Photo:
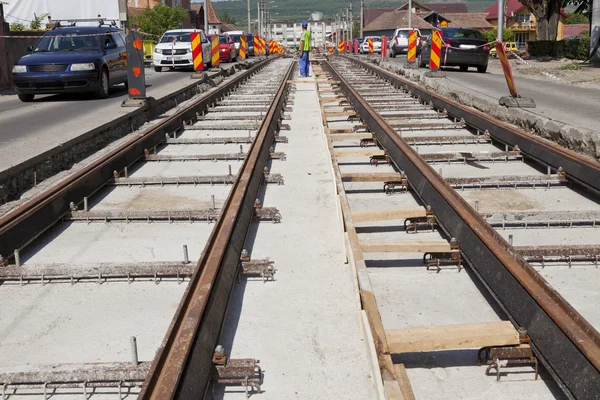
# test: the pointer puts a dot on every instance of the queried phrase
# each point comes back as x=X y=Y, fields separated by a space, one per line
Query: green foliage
x=36 y=24
x=574 y=49
x=507 y=35
x=576 y=18
x=571 y=67
x=159 y=19
x=227 y=19
x=17 y=27
x=356 y=30
x=584 y=34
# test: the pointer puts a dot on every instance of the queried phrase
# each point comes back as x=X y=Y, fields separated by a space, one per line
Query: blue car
x=75 y=59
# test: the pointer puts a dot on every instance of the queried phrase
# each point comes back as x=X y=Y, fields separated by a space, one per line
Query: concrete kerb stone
x=581 y=140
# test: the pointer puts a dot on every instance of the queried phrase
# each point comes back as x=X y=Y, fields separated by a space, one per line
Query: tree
x=356 y=29
x=227 y=19
x=159 y=19
x=547 y=14
x=36 y=23
x=575 y=18
x=507 y=35
x=17 y=27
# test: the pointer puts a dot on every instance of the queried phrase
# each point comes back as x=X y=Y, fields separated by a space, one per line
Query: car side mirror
x=30 y=48
x=111 y=46
x=156 y=42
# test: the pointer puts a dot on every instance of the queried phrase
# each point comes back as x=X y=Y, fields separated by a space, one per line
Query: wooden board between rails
x=371 y=177
x=389 y=214
x=360 y=153
x=405 y=246
x=350 y=136
x=450 y=337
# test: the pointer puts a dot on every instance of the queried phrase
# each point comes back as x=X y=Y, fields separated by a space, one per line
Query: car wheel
x=420 y=62
x=102 y=90
x=392 y=53
x=171 y=68
x=482 y=68
x=26 y=98
x=157 y=69
x=464 y=68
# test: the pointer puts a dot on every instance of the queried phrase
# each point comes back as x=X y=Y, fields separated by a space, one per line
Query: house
x=426 y=17
x=371 y=14
x=521 y=21
x=197 y=12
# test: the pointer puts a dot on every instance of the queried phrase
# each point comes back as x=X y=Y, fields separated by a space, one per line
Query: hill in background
x=295 y=10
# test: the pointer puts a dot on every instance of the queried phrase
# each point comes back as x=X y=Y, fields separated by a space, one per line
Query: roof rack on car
x=60 y=23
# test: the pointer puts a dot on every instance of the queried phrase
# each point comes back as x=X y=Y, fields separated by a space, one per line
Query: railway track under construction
x=470 y=247
x=521 y=213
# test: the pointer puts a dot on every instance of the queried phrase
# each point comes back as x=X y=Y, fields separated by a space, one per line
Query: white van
x=236 y=35
x=174 y=49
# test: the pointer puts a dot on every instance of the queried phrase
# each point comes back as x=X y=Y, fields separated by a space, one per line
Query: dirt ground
x=588 y=75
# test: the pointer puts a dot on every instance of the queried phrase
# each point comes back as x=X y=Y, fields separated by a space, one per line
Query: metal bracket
x=237 y=372
x=439 y=260
x=263 y=268
x=508 y=356
x=428 y=221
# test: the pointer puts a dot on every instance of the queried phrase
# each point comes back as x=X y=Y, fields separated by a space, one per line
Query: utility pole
x=595 y=31
x=409 y=14
x=500 y=18
x=351 y=23
x=205 y=17
x=249 y=18
x=362 y=12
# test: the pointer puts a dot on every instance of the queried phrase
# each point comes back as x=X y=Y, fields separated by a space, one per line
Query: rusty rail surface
x=26 y=222
x=566 y=343
x=182 y=368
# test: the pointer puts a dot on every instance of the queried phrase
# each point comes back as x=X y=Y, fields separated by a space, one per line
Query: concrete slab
x=304 y=326
x=555 y=236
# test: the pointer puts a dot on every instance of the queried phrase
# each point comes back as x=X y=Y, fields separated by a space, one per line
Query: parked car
x=510 y=47
x=74 y=59
x=250 y=44
x=399 y=42
x=174 y=49
x=364 y=47
x=227 y=50
x=235 y=36
x=462 y=48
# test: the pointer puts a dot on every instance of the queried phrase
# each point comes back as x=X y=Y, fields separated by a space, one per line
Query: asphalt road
x=570 y=104
x=28 y=129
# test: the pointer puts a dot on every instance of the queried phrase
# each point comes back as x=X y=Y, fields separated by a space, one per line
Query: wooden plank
x=404 y=382
x=370 y=177
x=350 y=136
x=333 y=114
x=389 y=213
x=344 y=130
x=360 y=153
x=450 y=337
x=405 y=246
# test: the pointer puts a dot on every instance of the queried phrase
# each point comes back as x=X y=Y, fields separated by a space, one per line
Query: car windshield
x=236 y=38
x=402 y=34
x=178 y=36
x=68 y=42
x=462 y=33
x=222 y=39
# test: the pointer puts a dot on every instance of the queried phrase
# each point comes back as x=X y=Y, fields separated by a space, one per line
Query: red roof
x=513 y=6
x=575 y=30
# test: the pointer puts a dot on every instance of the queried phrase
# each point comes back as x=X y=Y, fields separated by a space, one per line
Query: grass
x=571 y=67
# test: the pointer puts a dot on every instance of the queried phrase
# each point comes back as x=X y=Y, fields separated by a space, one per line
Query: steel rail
x=566 y=343
x=183 y=366
x=583 y=169
x=23 y=224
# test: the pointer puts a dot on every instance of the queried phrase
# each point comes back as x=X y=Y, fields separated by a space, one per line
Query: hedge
x=574 y=49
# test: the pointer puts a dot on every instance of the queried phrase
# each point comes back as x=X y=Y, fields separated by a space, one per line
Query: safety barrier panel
x=341 y=46
x=411 y=55
x=263 y=46
x=436 y=50
x=216 y=57
x=383 y=46
x=370 y=41
x=243 y=48
x=197 y=51
x=136 y=78
x=256 y=46
x=501 y=51
x=356 y=46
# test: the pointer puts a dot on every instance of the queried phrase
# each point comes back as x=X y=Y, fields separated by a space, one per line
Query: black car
x=72 y=59
x=462 y=48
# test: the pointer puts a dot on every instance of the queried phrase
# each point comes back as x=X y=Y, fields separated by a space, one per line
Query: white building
x=288 y=32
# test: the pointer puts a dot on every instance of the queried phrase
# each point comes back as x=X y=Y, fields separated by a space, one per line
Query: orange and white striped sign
x=370 y=41
x=411 y=55
x=243 y=47
x=436 y=50
x=197 y=51
x=501 y=51
x=216 y=57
